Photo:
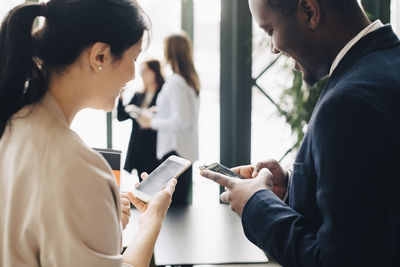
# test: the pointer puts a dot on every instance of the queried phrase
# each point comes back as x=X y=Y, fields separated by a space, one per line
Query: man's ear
x=99 y=56
x=311 y=11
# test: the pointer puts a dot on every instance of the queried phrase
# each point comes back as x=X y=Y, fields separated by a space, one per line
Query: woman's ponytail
x=21 y=80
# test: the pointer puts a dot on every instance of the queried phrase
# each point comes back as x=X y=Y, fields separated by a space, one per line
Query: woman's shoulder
x=176 y=79
x=74 y=163
x=64 y=148
x=56 y=153
x=176 y=82
x=88 y=160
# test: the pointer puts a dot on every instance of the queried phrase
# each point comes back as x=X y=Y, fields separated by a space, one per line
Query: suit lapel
x=374 y=41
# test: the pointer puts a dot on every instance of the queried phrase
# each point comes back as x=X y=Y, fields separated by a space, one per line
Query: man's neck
x=344 y=32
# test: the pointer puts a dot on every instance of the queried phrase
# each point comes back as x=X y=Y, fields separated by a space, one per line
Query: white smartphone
x=133 y=110
x=171 y=168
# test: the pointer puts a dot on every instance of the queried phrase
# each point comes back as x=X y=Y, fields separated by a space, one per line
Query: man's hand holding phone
x=238 y=191
x=280 y=176
x=246 y=171
x=217 y=167
x=278 y=181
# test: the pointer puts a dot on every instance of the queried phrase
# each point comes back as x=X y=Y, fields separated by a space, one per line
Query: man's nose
x=274 y=50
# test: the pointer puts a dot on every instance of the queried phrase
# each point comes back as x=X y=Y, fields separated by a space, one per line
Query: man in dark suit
x=341 y=205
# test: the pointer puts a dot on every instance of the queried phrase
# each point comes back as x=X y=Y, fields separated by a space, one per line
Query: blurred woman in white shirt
x=176 y=119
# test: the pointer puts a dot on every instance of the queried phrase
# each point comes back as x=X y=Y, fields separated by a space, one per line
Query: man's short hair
x=288 y=7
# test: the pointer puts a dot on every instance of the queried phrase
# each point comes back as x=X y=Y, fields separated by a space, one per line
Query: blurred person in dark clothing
x=141 y=153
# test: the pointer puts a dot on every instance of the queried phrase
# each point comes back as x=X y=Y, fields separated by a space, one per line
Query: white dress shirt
x=370 y=28
x=176 y=120
x=59 y=203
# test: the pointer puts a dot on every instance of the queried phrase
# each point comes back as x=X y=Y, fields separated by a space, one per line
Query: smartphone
x=171 y=168
x=133 y=110
x=217 y=167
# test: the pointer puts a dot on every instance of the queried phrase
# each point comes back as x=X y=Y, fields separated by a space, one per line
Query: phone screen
x=160 y=177
x=217 y=167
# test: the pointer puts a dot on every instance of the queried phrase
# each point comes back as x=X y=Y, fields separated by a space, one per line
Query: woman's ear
x=311 y=11
x=99 y=56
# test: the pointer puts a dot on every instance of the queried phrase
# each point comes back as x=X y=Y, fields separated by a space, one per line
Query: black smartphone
x=217 y=167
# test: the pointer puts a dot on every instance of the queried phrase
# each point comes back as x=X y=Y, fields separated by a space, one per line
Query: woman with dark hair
x=60 y=205
x=141 y=153
x=176 y=120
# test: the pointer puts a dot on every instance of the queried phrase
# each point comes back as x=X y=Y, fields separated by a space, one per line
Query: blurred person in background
x=141 y=153
x=176 y=119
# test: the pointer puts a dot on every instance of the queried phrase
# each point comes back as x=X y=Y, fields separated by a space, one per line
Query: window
x=6 y=6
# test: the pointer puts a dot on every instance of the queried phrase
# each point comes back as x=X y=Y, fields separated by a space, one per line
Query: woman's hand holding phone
x=169 y=169
x=125 y=209
x=157 y=188
x=150 y=221
x=139 y=205
x=160 y=201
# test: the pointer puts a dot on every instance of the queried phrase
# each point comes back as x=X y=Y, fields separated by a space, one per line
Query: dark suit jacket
x=141 y=153
x=344 y=199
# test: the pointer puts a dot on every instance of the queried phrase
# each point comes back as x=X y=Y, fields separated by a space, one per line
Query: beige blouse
x=59 y=203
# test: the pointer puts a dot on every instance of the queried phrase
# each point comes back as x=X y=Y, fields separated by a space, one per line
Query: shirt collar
x=51 y=105
x=370 y=28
